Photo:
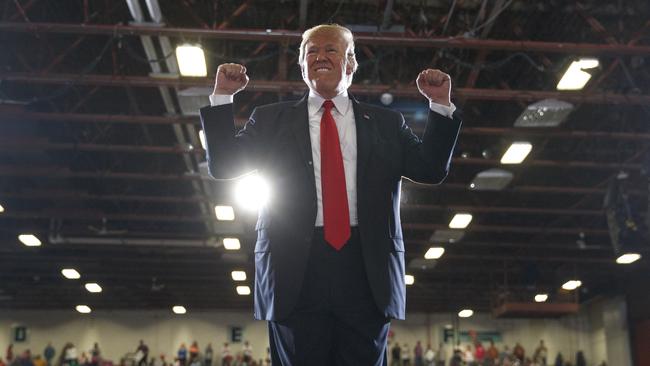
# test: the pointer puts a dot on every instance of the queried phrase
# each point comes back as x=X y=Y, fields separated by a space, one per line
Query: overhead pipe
x=270 y=35
x=299 y=86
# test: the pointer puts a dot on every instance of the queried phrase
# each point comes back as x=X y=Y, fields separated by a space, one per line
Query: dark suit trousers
x=336 y=320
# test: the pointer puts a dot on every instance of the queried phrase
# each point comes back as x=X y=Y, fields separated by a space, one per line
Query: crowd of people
x=184 y=356
x=476 y=354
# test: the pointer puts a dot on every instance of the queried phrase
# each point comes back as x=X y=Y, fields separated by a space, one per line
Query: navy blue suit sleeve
x=230 y=154
x=427 y=160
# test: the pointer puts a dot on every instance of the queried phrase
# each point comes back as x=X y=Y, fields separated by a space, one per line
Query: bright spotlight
x=179 y=309
x=575 y=78
x=191 y=60
x=243 y=290
x=29 y=240
x=84 y=309
x=572 y=285
x=409 y=279
x=238 y=275
x=434 y=253
x=541 y=297
x=465 y=313
x=628 y=258
x=252 y=192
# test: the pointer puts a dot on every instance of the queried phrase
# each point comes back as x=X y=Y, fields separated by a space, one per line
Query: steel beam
x=294 y=37
x=298 y=86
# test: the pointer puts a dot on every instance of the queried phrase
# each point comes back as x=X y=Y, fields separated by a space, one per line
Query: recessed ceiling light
x=516 y=153
x=231 y=243
x=434 y=253
x=93 y=287
x=70 y=273
x=572 y=285
x=243 y=290
x=460 y=221
x=575 y=78
x=29 y=240
x=84 y=309
x=2 y=209
x=224 y=213
x=465 y=313
x=191 y=60
x=178 y=309
x=541 y=297
x=409 y=279
x=238 y=275
x=628 y=258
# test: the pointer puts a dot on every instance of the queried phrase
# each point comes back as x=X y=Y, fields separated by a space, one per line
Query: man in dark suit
x=329 y=256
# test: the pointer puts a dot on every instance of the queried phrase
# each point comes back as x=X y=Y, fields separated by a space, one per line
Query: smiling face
x=327 y=66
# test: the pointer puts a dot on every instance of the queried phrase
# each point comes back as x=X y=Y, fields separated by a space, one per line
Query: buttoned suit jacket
x=276 y=142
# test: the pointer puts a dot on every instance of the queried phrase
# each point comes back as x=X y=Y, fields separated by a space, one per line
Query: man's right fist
x=230 y=79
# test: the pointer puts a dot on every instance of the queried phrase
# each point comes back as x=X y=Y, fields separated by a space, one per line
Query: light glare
x=243 y=290
x=29 y=240
x=628 y=258
x=465 y=313
x=191 y=60
x=572 y=285
x=541 y=297
x=252 y=192
x=70 y=273
x=93 y=287
x=238 y=275
x=179 y=309
x=516 y=153
x=231 y=243
x=574 y=78
x=84 y=309
x=460 y=221
x=224 y=213
x=434 y=253
x=2 y=209
x=409 y=279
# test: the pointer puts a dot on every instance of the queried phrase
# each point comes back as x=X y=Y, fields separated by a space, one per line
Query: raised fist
x=435 y=85
x=230 y=79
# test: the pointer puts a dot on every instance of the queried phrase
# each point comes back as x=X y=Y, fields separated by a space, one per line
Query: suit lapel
x=363 y=121
x=299 y=119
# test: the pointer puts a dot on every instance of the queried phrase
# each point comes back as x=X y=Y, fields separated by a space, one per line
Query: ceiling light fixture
x=516 y=153
x=460 y=221
x=575 y=78
x=191 y=60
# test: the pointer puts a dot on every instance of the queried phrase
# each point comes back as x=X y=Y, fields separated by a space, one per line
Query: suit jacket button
x=309 y=163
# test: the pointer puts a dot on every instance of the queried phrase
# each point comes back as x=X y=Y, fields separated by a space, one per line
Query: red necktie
x=336 y=215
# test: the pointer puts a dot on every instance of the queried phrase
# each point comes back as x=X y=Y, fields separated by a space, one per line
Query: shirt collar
x=341 y=102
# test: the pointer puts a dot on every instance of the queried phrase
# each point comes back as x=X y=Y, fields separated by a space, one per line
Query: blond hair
x=344 y=32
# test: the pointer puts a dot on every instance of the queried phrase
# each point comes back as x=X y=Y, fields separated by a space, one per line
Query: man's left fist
x=435 y=85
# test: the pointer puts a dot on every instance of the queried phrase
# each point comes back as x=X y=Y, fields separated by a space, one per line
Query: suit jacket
x=276 y=143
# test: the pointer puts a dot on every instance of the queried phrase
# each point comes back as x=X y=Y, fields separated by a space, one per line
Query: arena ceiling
x=100 y=155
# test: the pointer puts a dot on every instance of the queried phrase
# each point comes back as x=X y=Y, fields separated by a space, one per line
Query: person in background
x=143 y=349
x=2 y=363
x=479 y=352
x=194 y=352
x=207 y=356
x=406 y=355
x=468 y=356
x=519 y=352
x=95 y=355
x=492 y=355
x=559 y=360
x=417 y=354
x=71 y=355
x=441 y=355
x=39 y=361
x=247 y=353
x=182 y=354
x=503 y=355
x=396 y=355
x=10 y=353
x=456 y=358
x=226 y=356
x=540 y=353
x=580 y=359
x=49 y=353
x=429 y=356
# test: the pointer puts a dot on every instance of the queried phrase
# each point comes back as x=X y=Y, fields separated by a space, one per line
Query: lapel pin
x=366 y=116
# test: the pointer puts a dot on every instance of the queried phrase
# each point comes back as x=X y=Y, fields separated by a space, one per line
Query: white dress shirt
x=343 y=114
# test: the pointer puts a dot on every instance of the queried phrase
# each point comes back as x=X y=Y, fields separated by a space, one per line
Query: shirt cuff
x=442 y=109
x=220 y=99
